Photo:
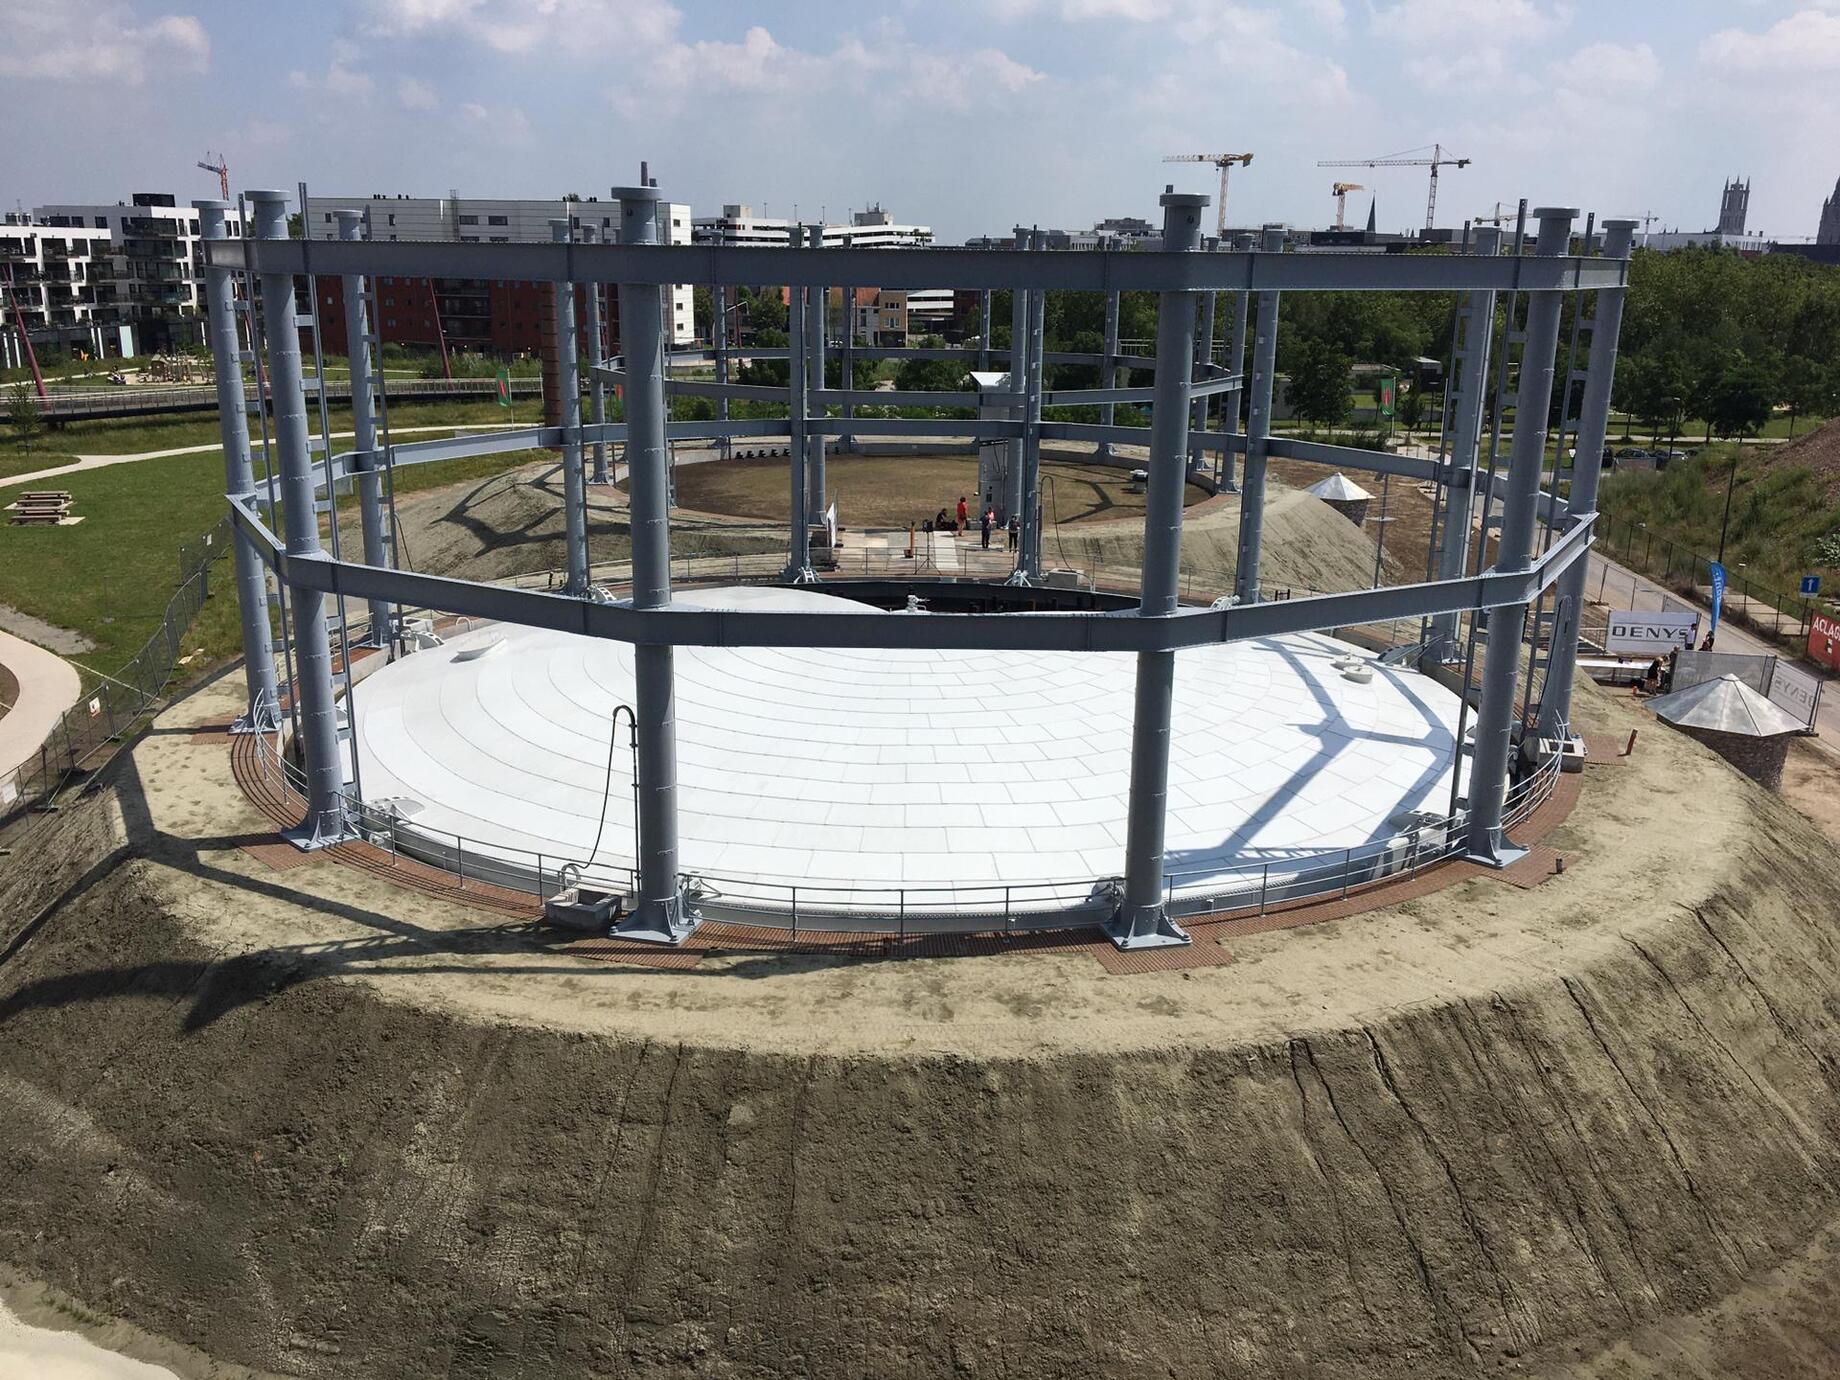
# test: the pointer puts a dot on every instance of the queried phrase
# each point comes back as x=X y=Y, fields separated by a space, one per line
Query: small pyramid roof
x=1338 y=488
x=986 y=381
x=1725 y=705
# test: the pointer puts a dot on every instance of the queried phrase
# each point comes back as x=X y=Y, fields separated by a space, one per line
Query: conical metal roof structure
x=1725 y=705
x=1338 y=488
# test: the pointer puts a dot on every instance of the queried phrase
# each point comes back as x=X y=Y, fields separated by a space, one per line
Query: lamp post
x=1731 y=483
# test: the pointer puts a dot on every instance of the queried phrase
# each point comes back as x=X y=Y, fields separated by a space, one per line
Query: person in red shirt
x=963 y=513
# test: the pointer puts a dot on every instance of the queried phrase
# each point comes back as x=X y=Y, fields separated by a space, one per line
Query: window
x=102 y=222
x=390 y=302
x=498 y=220
x=392 y=215
x=469 y=220
x=328 y=217
x=501 y=239
x=469 y=239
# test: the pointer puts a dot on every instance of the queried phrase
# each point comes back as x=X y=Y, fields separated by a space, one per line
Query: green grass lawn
x=131 y=435
x=110 y=576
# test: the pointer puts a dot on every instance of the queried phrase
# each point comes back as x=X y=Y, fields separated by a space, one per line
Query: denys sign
x=1651 y=634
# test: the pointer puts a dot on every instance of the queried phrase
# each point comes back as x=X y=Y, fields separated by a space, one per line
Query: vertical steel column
x=597 y=390
x=658 y=913
x=1587 y=470
x=798 y=556
x=364 y=428
x=1204 y=361
x=1029 y=556
x=1235 y=364
x=1143 y=920
x=1108 y=370
x=1258 y=431
x=568 y=384
x=260 y=711
x=319 y=726
x=1018 y=410
x=816 y=303
x=1470 y=356
x=847 y=365
x=718 y=296
x=984 y=331
x=1495 y=712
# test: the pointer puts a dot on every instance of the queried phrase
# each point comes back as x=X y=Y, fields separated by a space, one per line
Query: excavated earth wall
x=308 y=1124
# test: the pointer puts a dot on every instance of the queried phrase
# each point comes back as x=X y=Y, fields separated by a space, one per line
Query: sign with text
x=1651 y=634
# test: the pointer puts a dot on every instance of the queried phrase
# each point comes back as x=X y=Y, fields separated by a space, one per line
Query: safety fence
x=1255 y=884
x=120 y=701
x=1771 y=612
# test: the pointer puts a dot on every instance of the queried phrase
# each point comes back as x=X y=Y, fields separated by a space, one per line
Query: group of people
x=943 y=521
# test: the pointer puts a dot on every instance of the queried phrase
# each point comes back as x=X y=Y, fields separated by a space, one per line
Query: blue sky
x=970 y=115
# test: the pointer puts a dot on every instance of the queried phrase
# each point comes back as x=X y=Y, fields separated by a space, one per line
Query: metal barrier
x=821 y=908
x=114 y=707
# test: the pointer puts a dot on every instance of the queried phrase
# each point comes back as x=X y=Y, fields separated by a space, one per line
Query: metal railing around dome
x=905 y=909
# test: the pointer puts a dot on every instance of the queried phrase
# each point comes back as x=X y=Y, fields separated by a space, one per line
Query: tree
x=1738 y=404
x=1410 y=407
x=1319 y=384
x=1807 y=388
x=929 y=375
x=23 y=415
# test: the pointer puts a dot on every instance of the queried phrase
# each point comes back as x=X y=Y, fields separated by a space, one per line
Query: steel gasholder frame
x=1154 y=631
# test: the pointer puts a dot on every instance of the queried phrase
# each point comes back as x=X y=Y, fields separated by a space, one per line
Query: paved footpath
x=102 y=462
x=48 y=685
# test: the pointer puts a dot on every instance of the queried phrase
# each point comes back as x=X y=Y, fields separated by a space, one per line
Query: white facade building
x=156 y=263
x=62 y=279
x=485 y=220
x=870 y=229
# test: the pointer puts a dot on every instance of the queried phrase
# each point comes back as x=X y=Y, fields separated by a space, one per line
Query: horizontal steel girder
x=1086 y=271
x=1124 y=631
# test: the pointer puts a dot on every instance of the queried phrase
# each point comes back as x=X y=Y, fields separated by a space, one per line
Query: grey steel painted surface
x=1108 y=369
x=1204 y=372
x=1258 y=433
x=846 y=373
x=815 y=304
x=1236 y=363
x=1495 y=710
x=719 y=301
x=1078 y=632
x=1470 y=389
x=1587 y=470
x=260 y=701
x=597 y=387
x=1018 y=387
x=658 y=912
x=1029 y=552
x=365 y=463
x=319 y=730
x=1091 y=271
x=983 y=332
x=1142 y=918
x=568 y=380
x=798 y=538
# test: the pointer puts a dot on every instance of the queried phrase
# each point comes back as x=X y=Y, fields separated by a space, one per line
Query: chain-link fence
x=111 y=710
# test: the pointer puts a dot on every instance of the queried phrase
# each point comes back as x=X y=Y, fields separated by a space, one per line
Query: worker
x=964 y=513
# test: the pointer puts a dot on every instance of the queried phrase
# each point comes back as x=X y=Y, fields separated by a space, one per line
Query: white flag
x=830 y=521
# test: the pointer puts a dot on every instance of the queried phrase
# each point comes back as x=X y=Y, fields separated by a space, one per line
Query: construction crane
x=1223 y=161
x=1340 y=192
x=1500 y=216
x=1646 y=219
x=222 y=169
x=1438 y=159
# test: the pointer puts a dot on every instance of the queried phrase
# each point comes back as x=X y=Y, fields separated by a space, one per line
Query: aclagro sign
x=1651 y=633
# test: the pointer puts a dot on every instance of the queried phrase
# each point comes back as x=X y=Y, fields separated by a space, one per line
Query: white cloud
x=1329 y=15
x=67 y=42
x=1610 y=70
x=1249 y=43
x=1806 y=41
x=1417 y=22
x=1137 y=11
x=414 y=94
x=341 y=77
x=528 y=26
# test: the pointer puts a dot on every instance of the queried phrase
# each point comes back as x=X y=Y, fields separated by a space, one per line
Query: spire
x=1370 y=212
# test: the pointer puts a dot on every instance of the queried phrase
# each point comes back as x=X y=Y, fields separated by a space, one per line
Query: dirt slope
x=1490 y=1133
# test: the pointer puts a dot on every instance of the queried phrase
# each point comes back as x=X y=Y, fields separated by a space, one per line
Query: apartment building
x=156 y=265
x=496 y=315
x=873 y=228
